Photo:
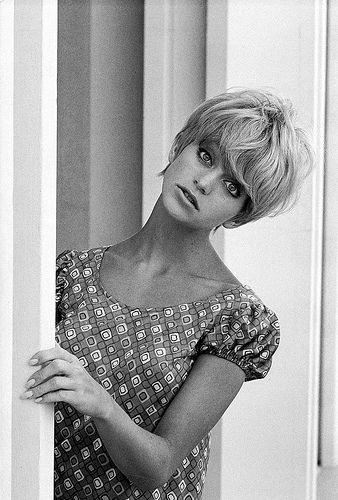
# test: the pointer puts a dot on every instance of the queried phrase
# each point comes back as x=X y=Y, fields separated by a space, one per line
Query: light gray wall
x=100 y=95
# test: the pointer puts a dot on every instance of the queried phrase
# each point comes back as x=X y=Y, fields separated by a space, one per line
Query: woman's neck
x=165 y=244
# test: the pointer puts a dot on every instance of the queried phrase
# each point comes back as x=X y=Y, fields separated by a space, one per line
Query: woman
x=155 y=334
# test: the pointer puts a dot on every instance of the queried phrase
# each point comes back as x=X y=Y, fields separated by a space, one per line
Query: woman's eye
x=205 y=156
x=233 y=189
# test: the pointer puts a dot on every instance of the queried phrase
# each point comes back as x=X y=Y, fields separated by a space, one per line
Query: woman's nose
x=204 y=184
x=199 y=186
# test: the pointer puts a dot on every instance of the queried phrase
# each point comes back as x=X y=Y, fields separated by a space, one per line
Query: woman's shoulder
x=237 y=301
x=75 y=255
x=72 y=262
x=233 y=291
x=242 y=297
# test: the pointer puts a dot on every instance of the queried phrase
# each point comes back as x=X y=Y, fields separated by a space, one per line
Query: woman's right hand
x=63 y=378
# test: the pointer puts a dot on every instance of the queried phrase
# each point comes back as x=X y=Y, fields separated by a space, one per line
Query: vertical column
x=216 y=83
x=278 y=46
x=174 y=81
x=328 y=479
x=100 y=94
x=6 y=239
x=28 y=145
x=116 y=77
x=73 y=120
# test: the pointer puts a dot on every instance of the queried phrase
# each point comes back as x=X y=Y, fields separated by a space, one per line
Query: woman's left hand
x=63 y=378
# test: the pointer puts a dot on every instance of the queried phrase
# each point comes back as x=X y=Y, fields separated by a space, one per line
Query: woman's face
x=198 y=191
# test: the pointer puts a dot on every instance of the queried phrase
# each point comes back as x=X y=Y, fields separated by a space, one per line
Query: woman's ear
x=161 y=174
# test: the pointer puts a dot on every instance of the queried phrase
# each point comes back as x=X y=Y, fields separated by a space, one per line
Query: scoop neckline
x=122 y=304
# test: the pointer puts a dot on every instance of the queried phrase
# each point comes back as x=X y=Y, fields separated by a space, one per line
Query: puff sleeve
x=247 y=335
x=63 y=262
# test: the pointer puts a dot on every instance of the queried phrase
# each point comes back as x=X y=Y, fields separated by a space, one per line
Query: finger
x=47 y=355
x=53 y=368
x=52 y=385
x=56 y=397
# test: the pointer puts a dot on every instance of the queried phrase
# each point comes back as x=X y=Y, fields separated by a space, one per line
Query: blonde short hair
x=265 y=152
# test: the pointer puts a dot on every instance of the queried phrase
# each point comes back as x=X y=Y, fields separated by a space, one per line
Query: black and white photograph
x=169 y=250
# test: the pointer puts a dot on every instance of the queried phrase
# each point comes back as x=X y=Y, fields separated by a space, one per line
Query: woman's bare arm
x=149 y=459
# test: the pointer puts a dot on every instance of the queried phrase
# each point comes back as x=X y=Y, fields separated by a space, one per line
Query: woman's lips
x=188 y=194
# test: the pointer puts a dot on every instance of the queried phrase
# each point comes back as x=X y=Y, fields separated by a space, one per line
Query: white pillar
x=270 y=432
x=28 y=168
x=6 y=238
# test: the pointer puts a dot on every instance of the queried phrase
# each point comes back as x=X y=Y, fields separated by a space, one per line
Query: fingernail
x=27 y=394
x=33 y=361
x=37 y=400
x=30 y=382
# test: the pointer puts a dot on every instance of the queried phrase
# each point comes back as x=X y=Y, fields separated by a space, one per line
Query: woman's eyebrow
x=211 y=147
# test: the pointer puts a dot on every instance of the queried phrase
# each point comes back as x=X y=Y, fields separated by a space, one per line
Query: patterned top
x=142 y=356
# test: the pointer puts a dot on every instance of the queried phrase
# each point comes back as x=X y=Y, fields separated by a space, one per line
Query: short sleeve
x=63 y=262
x=248 y=335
